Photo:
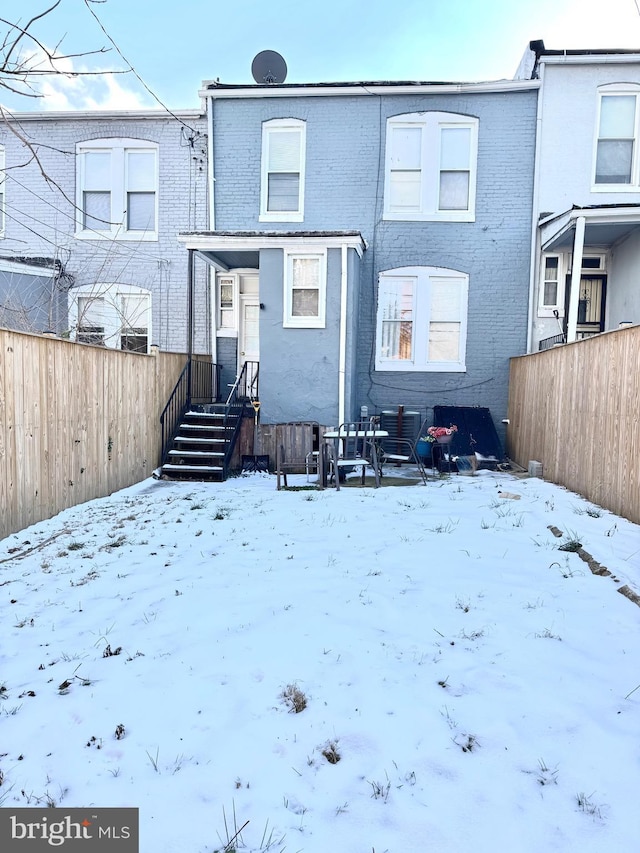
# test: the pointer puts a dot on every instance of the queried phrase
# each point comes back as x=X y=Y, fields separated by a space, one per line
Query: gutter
x=359 y=89
x=101 y=115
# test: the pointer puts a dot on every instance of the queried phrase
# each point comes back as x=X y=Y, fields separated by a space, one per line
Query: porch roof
x=605 y=225
x=228 y=249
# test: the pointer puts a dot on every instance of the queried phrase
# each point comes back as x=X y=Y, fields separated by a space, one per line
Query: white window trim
x=431 y=124
x=421 y=319
x=587 y=255
x=608 y=90
x=288 y=320
x=108 y=291
x=230 y=331
x=550 y=310
x=3 y=188
x=274 y=126
x=117 y=230
x=422 y=311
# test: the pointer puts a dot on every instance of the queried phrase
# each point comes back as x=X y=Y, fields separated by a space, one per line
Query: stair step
x=196 y=454
x=191 y=439
x=214 y=469
x=205 y=427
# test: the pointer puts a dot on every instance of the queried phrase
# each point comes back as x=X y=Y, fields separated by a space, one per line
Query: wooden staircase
x=202 y=446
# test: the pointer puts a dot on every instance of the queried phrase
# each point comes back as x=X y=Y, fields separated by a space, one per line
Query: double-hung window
x=617 y=164
x=227 y=289
x=117 y=189
x=422 y=319
x=430 y=171
x=551 y=299
x=117 y=316
x=2 y=189
x=305 y=284
x=282 y=173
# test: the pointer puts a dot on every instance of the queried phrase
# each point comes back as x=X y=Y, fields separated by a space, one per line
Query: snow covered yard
x=406 y=669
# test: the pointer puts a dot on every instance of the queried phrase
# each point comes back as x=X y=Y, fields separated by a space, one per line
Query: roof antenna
x=269 y=67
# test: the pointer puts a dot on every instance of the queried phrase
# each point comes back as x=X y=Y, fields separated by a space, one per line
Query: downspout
x=576 y=275
x=533 y=271
x=342 y=362
x=211 y=226
x=210 y=169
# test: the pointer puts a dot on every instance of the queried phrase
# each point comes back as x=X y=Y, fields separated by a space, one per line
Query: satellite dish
x=269 y=67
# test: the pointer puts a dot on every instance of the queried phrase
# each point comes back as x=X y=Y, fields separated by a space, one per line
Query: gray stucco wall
x=344 y=190
x=31 y=303
x=298 y=367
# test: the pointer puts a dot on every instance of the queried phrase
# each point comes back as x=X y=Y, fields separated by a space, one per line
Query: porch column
x=190 y=278
x=576 y=275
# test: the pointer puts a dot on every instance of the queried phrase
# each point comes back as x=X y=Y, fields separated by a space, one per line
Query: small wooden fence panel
x=76 y=423
x=576 y=409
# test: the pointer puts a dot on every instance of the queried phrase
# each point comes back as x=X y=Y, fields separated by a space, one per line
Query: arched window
x=422 y=319
x=117 y=316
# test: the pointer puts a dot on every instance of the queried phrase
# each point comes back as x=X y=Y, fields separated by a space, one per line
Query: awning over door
x=228 y=249
x=604 y=226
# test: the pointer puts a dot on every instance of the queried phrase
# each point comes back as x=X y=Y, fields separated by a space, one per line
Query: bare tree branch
x=13 y=127
x=25 y=58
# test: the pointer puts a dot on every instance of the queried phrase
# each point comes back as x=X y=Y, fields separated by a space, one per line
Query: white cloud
x=78 y=87
x=93 y=92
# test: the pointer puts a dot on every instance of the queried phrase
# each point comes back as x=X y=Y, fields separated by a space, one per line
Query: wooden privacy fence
x=76 y=423
x=576 y=409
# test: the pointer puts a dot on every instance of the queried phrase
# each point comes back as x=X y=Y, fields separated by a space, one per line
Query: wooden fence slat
x=576 y=409
x=60 y=403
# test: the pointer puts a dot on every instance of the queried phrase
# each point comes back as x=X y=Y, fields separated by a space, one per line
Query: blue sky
x=174 y=46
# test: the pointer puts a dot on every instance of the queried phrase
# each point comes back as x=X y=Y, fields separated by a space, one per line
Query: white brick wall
x=40 y=218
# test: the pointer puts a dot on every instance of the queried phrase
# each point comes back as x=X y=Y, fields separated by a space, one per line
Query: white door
x=249 y=337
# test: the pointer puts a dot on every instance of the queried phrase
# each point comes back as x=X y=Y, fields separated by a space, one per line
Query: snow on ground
x=476 y=682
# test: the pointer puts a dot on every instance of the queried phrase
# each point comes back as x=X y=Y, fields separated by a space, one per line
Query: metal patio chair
x=405 y=451
x=354 y=445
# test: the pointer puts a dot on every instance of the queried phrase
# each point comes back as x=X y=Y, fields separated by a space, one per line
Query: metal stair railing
x=199 y=381
x=549 y=343
x=244 y=388
x=173 y=412
x=246 y=384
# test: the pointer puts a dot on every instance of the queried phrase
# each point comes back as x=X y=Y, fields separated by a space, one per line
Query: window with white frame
x=227 y=288
x=616 y=156
x=117 y=194
x=551 y=289
x=305 y=285
x=430 y=167
x=2 y=189
x=282 y=172
x=422 y=319
x=114 y=316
